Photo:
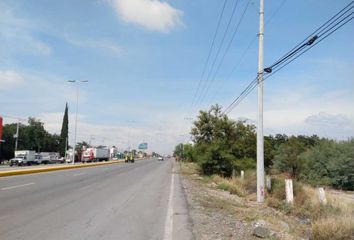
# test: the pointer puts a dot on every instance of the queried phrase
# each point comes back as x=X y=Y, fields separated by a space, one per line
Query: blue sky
x=144 y=58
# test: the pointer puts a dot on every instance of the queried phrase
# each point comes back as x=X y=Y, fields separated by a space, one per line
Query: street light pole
x=77 y=109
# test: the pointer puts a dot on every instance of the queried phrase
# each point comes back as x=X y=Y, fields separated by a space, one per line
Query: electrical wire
x=210 y=51
x=225 y=52
x=218 y=50
x=253 y=40
x=332 y=25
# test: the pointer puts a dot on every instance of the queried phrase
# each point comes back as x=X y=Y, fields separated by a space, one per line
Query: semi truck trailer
x=95 y=154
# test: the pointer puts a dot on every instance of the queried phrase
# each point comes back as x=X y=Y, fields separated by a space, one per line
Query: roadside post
x=322 y=195
x=289 y=191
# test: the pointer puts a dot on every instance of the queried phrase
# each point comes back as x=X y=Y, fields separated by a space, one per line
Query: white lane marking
x=78 y=174
x=17 y=186
x=169 y=217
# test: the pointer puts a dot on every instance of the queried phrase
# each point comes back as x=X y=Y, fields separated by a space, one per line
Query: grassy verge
x=331 y=221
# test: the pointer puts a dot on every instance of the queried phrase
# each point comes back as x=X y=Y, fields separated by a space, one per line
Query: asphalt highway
x=141 y=200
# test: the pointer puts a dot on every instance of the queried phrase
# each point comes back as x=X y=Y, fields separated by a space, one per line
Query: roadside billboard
x=143 y=146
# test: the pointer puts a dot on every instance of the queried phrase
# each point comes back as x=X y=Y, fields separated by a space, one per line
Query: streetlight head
x=84 y=81
x=72 y=81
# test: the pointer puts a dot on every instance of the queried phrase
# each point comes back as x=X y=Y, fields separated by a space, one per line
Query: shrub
x=224 y=186
x=216 y=159
x=330 y=163
x=238 y=187
x=250 y=181
x=278 y=188
x=334 y=228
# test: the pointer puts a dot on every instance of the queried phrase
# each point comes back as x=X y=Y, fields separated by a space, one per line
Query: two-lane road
x=143 y=200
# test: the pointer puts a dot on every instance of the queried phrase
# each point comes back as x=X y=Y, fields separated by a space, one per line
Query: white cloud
x=151 y=14
x=9 y=79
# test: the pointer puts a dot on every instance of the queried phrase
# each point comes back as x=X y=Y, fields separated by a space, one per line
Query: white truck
x=23 y=157
x=69 y=155
x=95 y=154
x=48 y=157
x=113 y=151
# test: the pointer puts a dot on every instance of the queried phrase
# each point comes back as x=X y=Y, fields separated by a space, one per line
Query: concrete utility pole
x=66 y=148
x=260 y=139
x=17 y=132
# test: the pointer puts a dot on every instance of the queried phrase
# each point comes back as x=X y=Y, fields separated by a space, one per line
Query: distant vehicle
x=95 y=154
x=24 y=157
x=160 y=158
x=113 y=151
x=48 y=157
x=69 y=156
x=129 y=157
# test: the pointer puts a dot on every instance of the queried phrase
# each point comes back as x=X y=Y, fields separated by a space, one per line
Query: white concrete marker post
x=242 y=175
x=269 y=183
x=322 y=195
x=289 y=191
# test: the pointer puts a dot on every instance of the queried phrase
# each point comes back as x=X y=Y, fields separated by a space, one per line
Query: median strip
x=49 y=169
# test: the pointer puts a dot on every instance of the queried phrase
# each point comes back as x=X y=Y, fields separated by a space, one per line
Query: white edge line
x=17 y=186
x=169 y=216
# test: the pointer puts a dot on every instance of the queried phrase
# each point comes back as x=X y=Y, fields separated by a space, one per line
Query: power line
x=327 y=29
x=314 y=33
x=226 y=51
x=327 y=35
x=248 y=48
x=218 y=50
x=210 y=51
x=312 y=39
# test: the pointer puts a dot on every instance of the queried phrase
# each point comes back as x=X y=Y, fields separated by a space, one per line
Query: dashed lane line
x=17 y=186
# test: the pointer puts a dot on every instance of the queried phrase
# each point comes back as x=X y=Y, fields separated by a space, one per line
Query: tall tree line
x=222 y=145
x=33 y=136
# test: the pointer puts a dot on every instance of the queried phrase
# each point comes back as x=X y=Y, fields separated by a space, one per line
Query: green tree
x=32 y=136
x=221 y=144
x=184 y=152
x=81 y=145
x=64 y=133
x=330 y=163
x=287 y=157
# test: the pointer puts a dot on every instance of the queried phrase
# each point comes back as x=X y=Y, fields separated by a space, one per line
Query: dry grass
x=235 y=186
x=334 y=228
x=331 y=221
x=188 y=168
